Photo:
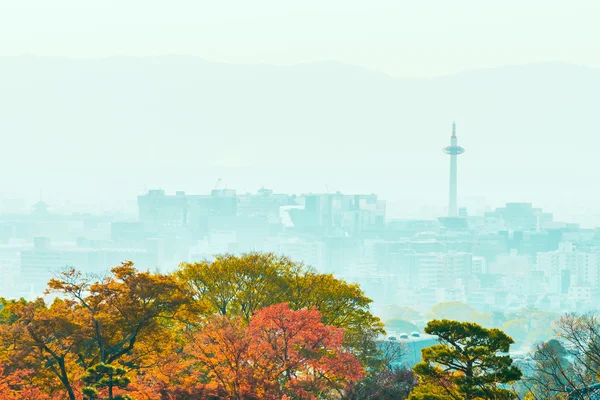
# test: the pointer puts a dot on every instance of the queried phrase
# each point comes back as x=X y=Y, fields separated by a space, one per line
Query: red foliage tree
x=281 y=354
x=15 y=386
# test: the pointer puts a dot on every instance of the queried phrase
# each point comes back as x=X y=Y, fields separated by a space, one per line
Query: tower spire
x=454 y=150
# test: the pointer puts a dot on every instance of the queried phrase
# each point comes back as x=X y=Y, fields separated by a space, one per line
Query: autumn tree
x=47 y=340
x=241 y=285
x=176 y=376
x=581 y=333
x=343 y=305
x=127 y=333
x=16 y=385
x=231 y=285
x=281 y=353
x=121 y=308
x=570 y=362
x=221 y=353
x=300 y=352
x=552 y=372
x=128 y=320
x=470 y=361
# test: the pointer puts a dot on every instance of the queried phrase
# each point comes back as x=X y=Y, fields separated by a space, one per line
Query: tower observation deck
x=454 y=150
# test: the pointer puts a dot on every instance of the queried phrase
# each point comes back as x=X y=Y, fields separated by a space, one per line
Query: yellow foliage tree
x=241 y=285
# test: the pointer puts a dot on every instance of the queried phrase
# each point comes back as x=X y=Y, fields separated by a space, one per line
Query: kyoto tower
x=454 y=150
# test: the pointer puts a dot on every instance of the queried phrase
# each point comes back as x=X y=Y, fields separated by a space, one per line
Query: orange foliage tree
x=16 y=386
x=129 y=321
x=45 y=341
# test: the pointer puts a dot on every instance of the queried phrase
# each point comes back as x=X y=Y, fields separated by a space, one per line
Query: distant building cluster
x=505 y=259
x=502 y=260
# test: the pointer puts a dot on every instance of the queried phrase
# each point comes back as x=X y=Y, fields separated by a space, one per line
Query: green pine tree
x=470 y=362
x=105 y=376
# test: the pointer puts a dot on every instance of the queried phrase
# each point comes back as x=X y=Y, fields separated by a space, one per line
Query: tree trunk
x=65 y=380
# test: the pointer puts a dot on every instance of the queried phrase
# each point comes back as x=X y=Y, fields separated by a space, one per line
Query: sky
x=402 y=38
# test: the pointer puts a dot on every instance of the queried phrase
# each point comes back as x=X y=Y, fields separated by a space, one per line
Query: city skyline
x=349 y=235
x=159 y=128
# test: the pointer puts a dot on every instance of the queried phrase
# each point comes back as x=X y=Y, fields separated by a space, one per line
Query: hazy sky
x=404 y=38
x=425 y=38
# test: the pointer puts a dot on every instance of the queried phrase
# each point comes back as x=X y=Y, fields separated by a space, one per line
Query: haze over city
x=145 y=100
x=400 y=184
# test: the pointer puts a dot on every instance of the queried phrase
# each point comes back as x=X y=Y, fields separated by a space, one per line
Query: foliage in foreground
x=240 y=286
x=568 y=366
x=470 y=362
x=280 y=354
x=259 y=326
x=146 y=335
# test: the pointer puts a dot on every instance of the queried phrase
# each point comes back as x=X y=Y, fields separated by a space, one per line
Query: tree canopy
x=255 y=324
x=281 y=353
x=240 y=285
x=470 y=362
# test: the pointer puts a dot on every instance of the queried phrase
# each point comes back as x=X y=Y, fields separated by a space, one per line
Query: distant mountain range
x=531 y=132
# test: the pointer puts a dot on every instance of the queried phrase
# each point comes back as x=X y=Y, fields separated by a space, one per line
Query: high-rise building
x=158 y=210
x=520 y=217
x=337 y=213
x=583 y=267
x=439 y=270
